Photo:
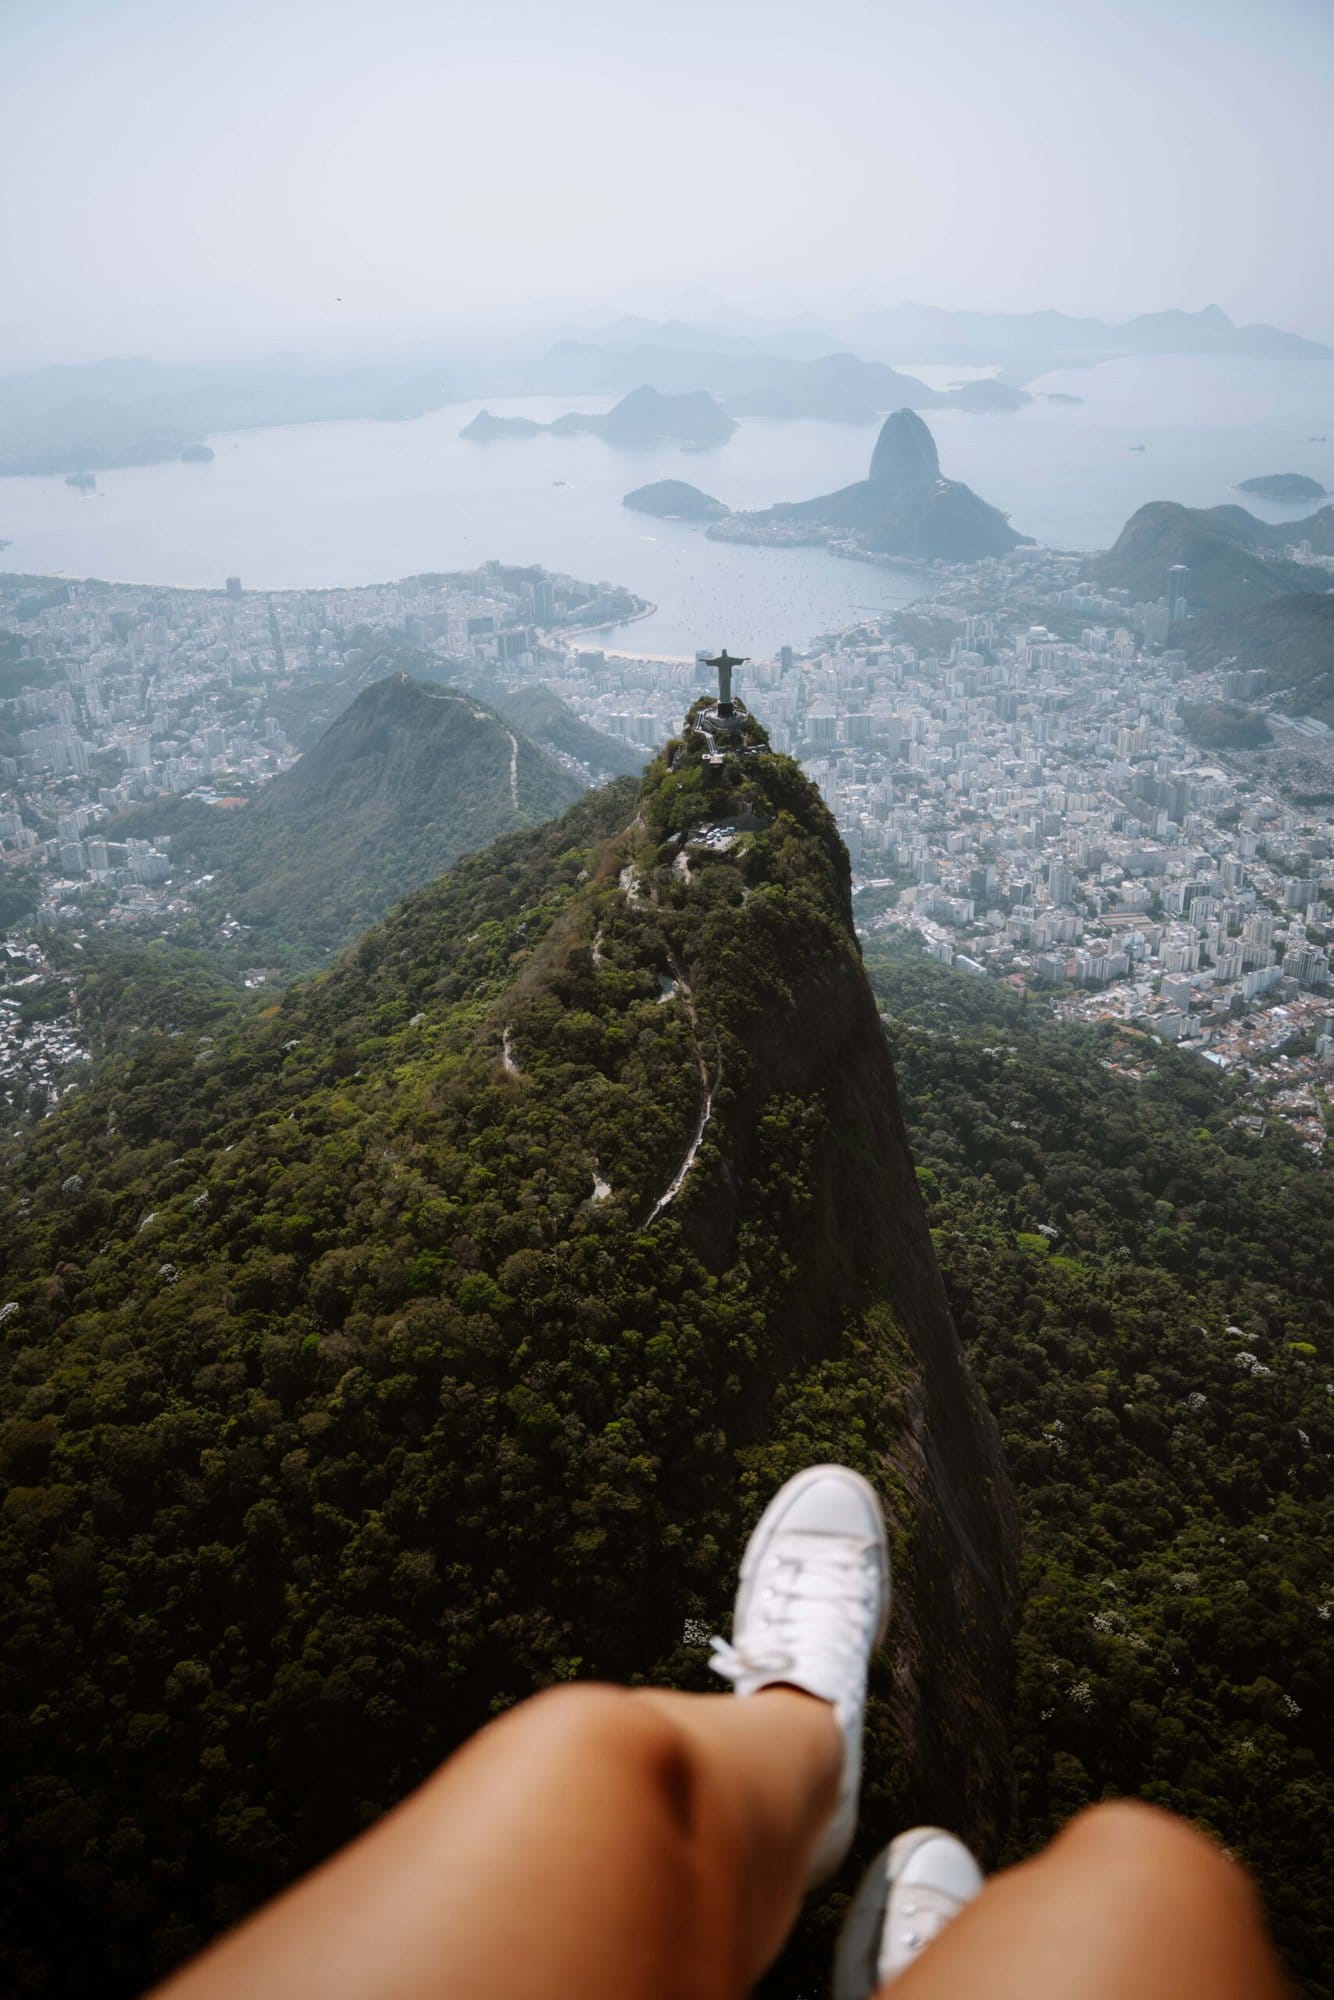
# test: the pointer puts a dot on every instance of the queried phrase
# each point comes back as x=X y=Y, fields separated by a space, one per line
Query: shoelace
x=803 y=1604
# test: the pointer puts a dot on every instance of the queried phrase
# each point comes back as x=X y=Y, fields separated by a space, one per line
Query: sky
x=209 y=177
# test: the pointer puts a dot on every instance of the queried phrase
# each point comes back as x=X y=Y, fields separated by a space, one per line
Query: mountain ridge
x=504 y=1359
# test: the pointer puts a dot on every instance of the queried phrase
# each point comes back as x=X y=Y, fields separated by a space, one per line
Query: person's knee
x=1162 y=1855
x=628 y=1737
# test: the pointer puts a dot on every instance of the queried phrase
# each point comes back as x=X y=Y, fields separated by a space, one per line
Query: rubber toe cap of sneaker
x=837 y=1503
x=944 y=1863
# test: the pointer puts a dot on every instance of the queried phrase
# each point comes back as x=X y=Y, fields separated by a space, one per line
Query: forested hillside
x=436 y=1334
x=403 y=781
x=553 y=724
x=1144 y=1289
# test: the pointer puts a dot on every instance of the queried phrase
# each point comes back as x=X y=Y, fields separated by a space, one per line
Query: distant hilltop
x=840 y=370
x=1234 y=559
x=905 y=507
x=403 y=781
x=645 y=417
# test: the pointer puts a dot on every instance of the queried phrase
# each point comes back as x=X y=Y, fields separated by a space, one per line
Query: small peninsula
x=643 y=418
x=1283 y=486
x=905 y=508
x=675 y=500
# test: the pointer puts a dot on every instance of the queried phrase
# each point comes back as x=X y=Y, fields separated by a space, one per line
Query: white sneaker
x=811 y=1608
x=909 y=1893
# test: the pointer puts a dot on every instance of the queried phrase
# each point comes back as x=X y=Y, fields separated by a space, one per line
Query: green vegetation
x=1290 y=638
x=1144 y=1290
x=403 y=782
x=359 y=1372
x=128 y=990
x=554 y=725
x=18 y=897
x=1221 y=725
x=1233 y=558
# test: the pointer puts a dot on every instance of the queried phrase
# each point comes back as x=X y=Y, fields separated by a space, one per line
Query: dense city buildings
x=1007 y=760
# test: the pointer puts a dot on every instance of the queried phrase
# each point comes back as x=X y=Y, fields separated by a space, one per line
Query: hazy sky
x=205 y=175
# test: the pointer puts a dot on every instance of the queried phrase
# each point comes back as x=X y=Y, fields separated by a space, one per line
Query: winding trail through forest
x=482 y=715
x=706 y=1086
x=635 y=891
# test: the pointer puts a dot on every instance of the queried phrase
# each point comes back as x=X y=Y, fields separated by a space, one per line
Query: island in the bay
x=675 y=500
x=904 y=508
x=1284 y=486
x=643 y=418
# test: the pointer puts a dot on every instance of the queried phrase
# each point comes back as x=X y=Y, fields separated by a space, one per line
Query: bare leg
x=1128 y=1903
x=629 y=1845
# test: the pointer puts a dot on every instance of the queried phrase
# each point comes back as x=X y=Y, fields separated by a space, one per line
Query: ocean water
x=1068 y=475
x=328 y=504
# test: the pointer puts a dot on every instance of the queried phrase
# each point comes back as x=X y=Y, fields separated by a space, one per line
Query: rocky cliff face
x=905 y=452
x=442 y=1334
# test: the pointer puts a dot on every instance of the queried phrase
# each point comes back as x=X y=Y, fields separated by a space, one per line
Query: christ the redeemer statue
x=725 y=664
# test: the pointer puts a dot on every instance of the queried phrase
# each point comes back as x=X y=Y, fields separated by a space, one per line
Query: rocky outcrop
x=904 y=508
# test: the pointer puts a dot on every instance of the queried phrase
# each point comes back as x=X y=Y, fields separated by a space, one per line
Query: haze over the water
x=207 y=176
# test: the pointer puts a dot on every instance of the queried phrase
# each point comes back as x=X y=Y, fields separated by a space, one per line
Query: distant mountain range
x=809 y=371
x=930 y=333
x=905 y=507
x=135 y=411
x=763 y=386
x=1235 y=560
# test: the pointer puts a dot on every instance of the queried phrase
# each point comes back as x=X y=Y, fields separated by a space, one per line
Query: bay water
x=349 y=503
